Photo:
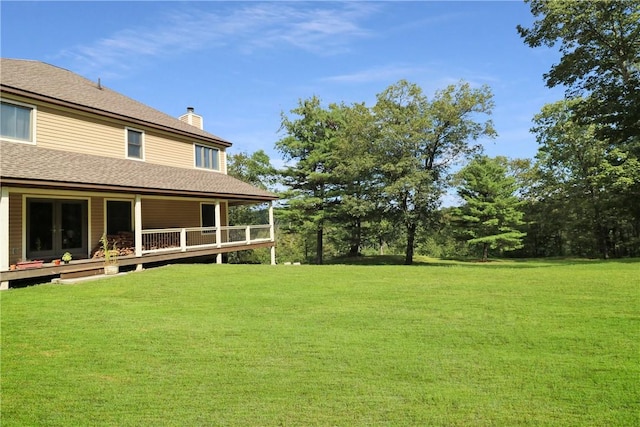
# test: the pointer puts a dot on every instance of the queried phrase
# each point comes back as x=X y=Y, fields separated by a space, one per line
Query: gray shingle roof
x=26 y=164
x=58 y=84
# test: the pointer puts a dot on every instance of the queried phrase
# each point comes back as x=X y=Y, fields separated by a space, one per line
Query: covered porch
x=154 y=213
x=43 y=224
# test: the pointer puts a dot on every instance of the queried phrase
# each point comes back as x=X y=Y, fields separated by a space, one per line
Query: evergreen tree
x=491 y=214
x=310 y=142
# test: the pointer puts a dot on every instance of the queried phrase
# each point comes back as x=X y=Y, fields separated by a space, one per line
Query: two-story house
x=79 y=161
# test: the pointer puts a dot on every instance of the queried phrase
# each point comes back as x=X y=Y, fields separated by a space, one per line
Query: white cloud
x=386 y=73
x=323 y=28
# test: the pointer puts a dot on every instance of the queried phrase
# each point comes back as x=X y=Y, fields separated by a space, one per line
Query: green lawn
x=440 y=343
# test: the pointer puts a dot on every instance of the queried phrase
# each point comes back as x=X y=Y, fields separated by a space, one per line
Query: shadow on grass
x=473 y=262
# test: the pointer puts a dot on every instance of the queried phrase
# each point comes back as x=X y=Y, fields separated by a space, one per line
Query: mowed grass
x=506 y=343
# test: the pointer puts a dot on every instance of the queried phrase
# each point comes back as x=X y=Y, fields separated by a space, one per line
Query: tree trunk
x=485 y=252
x=356 y=237
x=319 y=245
x=411 y=236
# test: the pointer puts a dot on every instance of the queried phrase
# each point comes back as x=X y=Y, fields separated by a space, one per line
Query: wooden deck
x=88 y=267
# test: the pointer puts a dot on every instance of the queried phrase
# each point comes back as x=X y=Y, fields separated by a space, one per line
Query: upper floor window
x=135 y=140
x=17 y=122
x=207 y=157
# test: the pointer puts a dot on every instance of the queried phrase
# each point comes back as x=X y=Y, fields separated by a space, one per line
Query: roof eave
x=45 y=184
x=63 y=103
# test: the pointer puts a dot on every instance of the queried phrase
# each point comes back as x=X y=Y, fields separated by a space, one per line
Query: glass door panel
x=71 y=226
x=40 y=231
x=55 y=227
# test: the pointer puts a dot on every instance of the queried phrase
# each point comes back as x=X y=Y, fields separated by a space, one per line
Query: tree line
x=370 y=179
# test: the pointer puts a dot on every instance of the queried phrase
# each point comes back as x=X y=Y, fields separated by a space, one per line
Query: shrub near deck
x=505 y=344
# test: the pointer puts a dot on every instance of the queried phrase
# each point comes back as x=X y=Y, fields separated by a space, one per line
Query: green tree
x=310 y=143
x=600 y=46
x=256 y=169
x=359 y=198
x=586 y=177
x=418 y=140
x=253 y=168
x=491 y=213
x=600 y=67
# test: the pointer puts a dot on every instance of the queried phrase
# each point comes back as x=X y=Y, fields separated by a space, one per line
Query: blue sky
x=241 y=64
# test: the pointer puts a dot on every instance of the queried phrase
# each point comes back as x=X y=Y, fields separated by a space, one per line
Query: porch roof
x=27 y=165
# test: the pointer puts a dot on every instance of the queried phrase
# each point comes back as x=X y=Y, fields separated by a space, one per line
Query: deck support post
x=218 y=231
x=138 y=225
x=4 y=234
x=4 y=229
x=272 y=234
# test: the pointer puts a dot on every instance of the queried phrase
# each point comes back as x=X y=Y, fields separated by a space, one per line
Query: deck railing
x=184 y=239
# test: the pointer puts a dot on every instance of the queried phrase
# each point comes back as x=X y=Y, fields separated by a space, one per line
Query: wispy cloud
x=377 y=74
x=320 y=28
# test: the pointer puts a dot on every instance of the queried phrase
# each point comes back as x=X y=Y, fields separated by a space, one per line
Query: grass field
x=440 y=343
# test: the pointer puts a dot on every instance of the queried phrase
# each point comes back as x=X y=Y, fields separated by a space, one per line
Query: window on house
x=134 y=144
x=207 y=215
x=118 y=216
x=16 y=122
x=207 y=157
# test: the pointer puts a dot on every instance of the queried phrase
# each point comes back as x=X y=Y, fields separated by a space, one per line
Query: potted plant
x=110 y=256
x=56 y=262
x=66 y=257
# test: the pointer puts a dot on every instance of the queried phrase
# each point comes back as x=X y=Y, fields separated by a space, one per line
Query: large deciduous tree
x=600 y=67
x=418 y=140
x=588 y=177
x=253 y=168
x=599 y=42
x=256 y=169
x=491 y=213
x=600 y=46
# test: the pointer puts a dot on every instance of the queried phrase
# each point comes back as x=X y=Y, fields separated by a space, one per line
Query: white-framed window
x=207 y=157
x=17 y=121
x=135 y=143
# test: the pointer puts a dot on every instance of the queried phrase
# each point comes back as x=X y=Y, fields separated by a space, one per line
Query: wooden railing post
x=272 y=234
x=183 y=240
x=247 y=233
x=218 y=225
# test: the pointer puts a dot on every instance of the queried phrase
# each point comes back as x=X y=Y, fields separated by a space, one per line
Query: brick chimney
x=192 y=118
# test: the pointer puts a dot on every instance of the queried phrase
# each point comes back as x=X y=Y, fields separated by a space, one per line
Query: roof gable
x=57 y=85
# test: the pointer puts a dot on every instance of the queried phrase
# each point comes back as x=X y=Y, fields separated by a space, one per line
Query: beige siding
x=161 y=150
x=64 y=129
x=158 y=213
x=15 y=227
x=197 y=121
x=96 y=222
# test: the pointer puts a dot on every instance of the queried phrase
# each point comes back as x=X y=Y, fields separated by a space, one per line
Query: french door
x=56 y=226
